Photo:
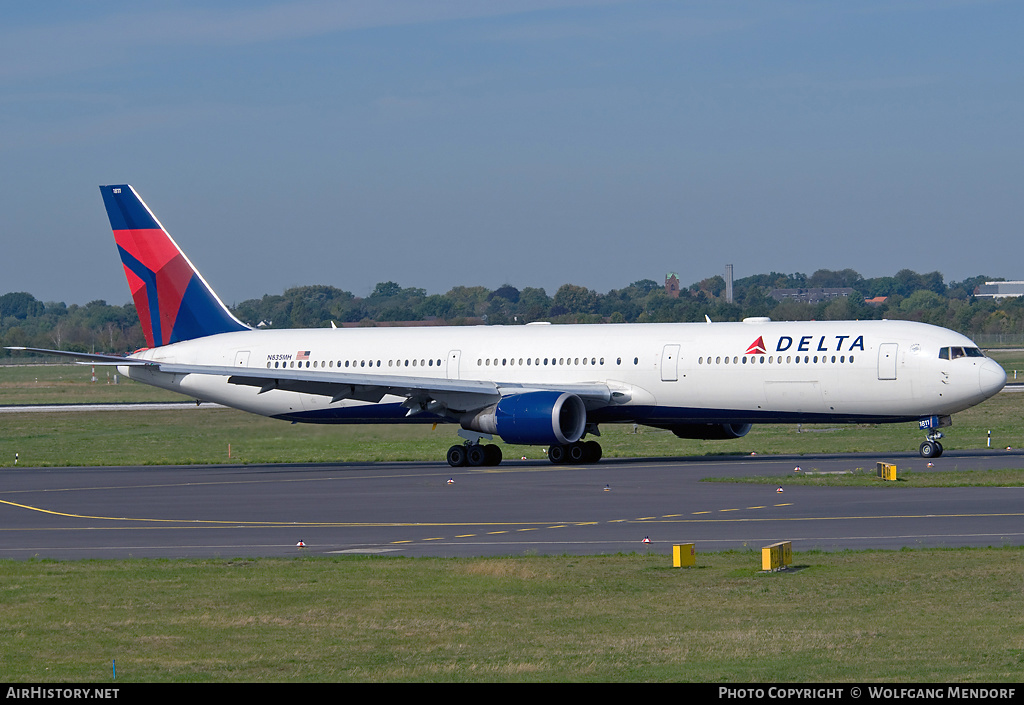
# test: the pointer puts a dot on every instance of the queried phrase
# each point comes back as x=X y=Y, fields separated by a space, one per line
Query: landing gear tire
x=457 y=456
x=576 y=453
x=476 y=456
x=558 y=454
x=931 y=449
x=492 y=455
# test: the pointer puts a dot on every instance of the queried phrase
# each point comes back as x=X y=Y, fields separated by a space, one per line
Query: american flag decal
x=302 y=355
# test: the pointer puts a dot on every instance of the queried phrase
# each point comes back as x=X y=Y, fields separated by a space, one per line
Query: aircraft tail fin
x=173 y=300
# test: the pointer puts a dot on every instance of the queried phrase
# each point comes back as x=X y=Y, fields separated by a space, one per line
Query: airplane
x=536 y=384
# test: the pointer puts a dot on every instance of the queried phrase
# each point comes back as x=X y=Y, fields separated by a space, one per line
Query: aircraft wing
x=421 y=393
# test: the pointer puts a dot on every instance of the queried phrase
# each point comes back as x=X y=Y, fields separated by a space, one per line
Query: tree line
x=102 y=327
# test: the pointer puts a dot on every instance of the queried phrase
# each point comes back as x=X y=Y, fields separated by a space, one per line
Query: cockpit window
x=954 y=353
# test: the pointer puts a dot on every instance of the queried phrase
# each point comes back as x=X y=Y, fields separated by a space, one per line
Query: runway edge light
x=684 y=555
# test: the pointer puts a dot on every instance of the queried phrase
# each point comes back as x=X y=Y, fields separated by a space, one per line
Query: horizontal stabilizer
x=94 y=358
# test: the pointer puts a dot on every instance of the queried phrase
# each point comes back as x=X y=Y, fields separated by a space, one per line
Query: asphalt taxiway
x=520 y=507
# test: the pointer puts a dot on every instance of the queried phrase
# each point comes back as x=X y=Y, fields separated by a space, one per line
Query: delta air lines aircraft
x=538 y=384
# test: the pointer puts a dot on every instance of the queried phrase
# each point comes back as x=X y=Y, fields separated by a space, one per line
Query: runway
x=532 y=507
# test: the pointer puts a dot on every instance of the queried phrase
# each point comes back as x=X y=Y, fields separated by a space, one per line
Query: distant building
x=672 y=285
x=1000 y=290
x=811 y=296
x=877 y=301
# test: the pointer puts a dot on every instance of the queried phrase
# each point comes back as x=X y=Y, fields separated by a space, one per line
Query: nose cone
x=992 y=377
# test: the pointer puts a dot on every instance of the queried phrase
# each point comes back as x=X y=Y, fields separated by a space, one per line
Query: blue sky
x=535 y=143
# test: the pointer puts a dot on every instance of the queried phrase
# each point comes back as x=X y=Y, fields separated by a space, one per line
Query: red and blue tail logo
x=173 y=300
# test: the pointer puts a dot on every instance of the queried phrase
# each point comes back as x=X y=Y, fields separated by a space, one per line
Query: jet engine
x=532 y=418
x=711 y=431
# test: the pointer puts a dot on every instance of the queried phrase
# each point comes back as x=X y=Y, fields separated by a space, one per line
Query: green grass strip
x=922 y=616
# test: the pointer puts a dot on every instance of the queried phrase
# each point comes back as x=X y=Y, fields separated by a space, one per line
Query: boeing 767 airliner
x=538 y=384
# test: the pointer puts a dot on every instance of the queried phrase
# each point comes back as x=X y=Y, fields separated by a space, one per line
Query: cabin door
x=887 y=360
x=453 y=364
x=670 y=363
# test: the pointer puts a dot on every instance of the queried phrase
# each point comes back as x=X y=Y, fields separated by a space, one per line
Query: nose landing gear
x=931 y=448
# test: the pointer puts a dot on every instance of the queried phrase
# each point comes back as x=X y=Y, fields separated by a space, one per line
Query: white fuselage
x=749 y=372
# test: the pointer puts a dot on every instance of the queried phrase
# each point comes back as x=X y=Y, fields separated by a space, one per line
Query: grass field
x=868 y=616
x=71 y=384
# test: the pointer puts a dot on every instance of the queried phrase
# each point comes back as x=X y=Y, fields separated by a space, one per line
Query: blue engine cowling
x=532 y=418
x=711 y=431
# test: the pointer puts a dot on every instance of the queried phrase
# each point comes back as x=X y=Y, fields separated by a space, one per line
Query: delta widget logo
x=757 y=347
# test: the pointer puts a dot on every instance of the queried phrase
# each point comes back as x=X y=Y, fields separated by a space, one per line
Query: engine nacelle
x=711 y=431
x=532 y=418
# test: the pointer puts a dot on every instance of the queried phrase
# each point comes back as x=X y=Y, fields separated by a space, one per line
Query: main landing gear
x=478 y=455
x=474 y=455
x=579 y=452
